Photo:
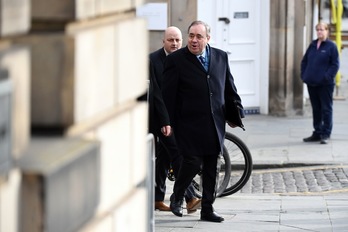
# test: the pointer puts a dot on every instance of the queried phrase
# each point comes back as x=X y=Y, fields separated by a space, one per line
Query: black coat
x=158 y=116
x=196 y=100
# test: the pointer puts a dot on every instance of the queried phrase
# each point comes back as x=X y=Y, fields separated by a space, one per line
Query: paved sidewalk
x=266 y=213
x=277 y=142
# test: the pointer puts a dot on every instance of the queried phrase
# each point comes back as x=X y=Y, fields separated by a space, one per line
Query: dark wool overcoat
x=196 y=100
x=158 y=116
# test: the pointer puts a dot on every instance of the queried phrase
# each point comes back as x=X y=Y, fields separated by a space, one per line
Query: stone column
x=279 y=77
x=287 y=40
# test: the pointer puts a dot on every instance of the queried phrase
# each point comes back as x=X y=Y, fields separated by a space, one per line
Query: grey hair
x=198 y=22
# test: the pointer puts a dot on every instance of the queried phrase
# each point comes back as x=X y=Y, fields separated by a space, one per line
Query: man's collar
x=167 y=53
x=204 y=53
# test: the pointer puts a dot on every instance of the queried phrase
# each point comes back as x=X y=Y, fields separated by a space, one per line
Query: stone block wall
x=15 y=15
x=11 y=58
x=70 y=10
x=15 y=61
x=77 y=68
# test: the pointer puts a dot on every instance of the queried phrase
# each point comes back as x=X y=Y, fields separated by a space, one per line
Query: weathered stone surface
x=67 y=10
x=16 y=60
x=48 y=79
x=85 y=73
x=14 y=17
x=60 y=184
x=120 y=193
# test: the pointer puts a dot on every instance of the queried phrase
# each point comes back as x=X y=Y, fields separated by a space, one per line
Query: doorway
x=236 y=27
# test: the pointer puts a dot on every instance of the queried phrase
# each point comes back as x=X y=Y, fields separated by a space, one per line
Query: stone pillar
x=287 y=22
x=183 y=12
x=280 y=78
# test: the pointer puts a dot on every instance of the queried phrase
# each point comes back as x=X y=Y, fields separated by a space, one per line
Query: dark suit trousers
x=167 y=156
x=190 y=166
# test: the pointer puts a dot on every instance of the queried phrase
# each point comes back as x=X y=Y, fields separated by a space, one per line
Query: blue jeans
x=321 y=98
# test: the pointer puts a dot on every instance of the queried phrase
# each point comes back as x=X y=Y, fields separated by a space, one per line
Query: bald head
x=172 y=39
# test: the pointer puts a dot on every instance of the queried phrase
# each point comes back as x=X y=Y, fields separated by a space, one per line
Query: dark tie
x=205 y=65
x=202 y=59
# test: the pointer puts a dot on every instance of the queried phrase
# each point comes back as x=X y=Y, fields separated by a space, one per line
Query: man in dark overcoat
x=198 y=90
x=166 y=150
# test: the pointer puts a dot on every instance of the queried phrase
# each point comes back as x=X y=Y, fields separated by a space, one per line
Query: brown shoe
x=193 y=205
x=161 y=206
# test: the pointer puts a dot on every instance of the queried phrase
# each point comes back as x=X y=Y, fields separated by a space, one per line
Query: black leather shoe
x=176 y=206
x=211 y=217
x=312 y=138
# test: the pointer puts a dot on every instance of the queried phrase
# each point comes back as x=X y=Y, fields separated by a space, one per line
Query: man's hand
x=166 y=130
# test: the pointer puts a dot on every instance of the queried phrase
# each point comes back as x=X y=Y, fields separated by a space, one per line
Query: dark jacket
x=196 y=100
x=158 y=116
x=319 y=66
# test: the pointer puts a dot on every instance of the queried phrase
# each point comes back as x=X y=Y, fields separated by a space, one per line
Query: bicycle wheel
x=241 y=163
x=223 y=176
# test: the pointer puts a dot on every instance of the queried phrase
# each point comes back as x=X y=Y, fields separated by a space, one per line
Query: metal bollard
x=151 y=181
x=5 y=123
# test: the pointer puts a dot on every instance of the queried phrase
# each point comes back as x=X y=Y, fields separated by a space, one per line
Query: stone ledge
x=60 y=184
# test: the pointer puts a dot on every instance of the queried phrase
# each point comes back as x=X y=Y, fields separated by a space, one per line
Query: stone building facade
x=74 y=144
